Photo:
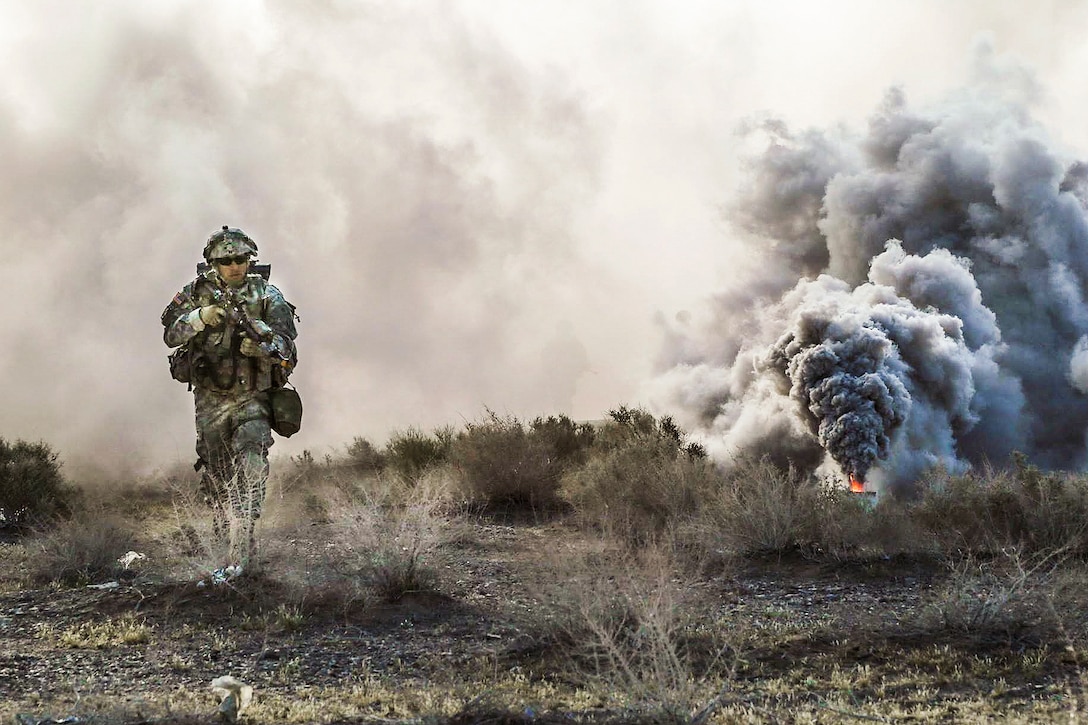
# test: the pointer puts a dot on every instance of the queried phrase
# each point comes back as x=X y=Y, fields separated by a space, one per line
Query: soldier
x=236 y=335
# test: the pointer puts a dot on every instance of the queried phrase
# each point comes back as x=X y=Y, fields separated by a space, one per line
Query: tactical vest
x=214 y=357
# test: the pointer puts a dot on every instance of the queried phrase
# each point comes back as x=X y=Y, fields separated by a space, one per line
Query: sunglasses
x=224 y=261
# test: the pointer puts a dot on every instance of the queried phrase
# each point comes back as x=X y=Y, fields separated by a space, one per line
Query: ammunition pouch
x=286 y=406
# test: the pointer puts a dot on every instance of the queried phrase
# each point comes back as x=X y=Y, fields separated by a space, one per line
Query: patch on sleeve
x=179 y=298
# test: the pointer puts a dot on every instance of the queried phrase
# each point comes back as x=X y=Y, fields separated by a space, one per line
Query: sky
x=474 y=204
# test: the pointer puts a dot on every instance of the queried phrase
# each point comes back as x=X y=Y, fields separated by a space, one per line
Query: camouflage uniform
x=233 y=413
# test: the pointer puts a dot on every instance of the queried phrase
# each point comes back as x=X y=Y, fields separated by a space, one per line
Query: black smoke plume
x=919 y=297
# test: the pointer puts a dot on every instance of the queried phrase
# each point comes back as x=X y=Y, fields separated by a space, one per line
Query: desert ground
x=384 y=593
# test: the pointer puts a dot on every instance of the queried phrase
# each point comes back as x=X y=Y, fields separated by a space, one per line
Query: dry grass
x=629 y=627
x=992 y=510
x=81 y=550
x=1006 y=594
x=632 y=626
x=392 y=535
x=124 y=631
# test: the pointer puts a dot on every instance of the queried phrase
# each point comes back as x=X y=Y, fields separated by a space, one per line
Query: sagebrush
x=31 y=484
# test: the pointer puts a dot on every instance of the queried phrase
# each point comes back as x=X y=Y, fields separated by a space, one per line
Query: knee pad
x=252 y=435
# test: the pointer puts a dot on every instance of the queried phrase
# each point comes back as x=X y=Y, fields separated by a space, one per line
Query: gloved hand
x=212 y=315
x=263 y=329
x=251 y=349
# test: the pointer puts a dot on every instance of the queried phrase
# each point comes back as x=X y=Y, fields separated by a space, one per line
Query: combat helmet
x=228 y=242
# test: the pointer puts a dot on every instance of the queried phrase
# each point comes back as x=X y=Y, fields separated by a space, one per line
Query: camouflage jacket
x=217 y=362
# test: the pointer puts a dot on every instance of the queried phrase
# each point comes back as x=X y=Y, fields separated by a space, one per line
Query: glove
x=263 y=329
x=251 y=349
x=212 y=315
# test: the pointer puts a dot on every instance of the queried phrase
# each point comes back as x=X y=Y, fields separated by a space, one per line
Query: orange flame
x=856 y=484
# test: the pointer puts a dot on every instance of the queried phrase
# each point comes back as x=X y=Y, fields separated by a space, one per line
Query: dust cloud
x=471 y=203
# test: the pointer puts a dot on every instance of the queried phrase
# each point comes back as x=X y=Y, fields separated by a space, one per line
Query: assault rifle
x=256 y=330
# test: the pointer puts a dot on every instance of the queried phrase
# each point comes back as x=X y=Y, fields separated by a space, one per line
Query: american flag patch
x=178 y=298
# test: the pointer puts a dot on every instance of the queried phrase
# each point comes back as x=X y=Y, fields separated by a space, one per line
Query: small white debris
x=226 y=573
x=104 y=585
x=236 y=697
x=130 y=557
x=222 y=575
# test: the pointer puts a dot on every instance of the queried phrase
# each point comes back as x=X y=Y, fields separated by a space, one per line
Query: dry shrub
x=568 y=441
x=411 y=452
x=631 y=425
x=304 y=492
x=189 y=541
x=31 y=485
x=365 y=457
x=989 y=511
x=762 y=509
x=80 y=550
x=504 y=464
x=309 y=491
x=639 y=489
x=640 y=477
x=843 y=525
x=205 y=535
x=628 y=626
x=890 y=529
x=1009 y=593
x=393 y=537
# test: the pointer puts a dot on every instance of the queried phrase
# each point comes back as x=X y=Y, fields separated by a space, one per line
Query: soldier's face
x=233 y=269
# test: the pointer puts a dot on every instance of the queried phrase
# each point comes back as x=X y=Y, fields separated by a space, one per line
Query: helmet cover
x=228 y=242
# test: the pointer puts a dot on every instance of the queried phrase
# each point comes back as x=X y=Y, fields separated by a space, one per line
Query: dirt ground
x=804 y=641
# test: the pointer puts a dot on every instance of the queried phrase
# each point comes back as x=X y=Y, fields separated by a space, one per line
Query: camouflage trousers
x=233 y=435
